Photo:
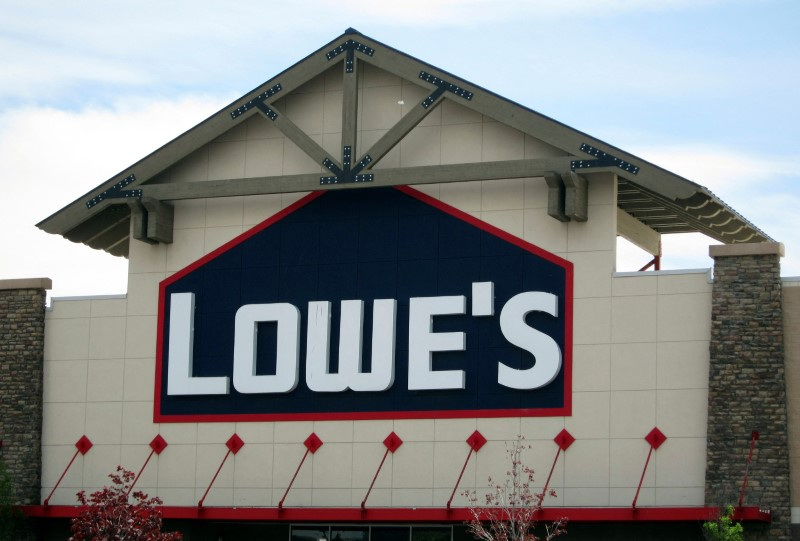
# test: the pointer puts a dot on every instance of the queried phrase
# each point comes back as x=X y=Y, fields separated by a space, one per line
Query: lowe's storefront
x=351 y=290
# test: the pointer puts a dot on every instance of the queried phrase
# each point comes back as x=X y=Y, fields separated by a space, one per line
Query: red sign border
x=566 y=410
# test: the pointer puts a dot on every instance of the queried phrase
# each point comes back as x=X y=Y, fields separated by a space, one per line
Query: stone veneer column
x=747 y=385
x=22 y=304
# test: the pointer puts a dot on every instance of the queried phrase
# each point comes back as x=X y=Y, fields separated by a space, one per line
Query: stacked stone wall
x=22 y=304
x=747 y=386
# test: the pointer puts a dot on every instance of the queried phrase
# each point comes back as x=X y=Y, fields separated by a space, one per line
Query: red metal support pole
x=753 y=438
x=83 y=445
x=156 y=446
x=312 y=443
x=364 y=501
x=641 y=479
x=200 y=503
x=564 y=439
x=233 y=444
x=152 y=452
x=655 y=438
x=547 y=483
x=280 y=504
x=458 y=481
x=392 y=443
x=475 y=442
x=47 y=500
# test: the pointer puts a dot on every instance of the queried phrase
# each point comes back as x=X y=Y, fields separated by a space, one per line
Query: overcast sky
x=707 y=89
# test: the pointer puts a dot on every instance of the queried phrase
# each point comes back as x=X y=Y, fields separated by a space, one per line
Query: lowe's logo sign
x=366 y=304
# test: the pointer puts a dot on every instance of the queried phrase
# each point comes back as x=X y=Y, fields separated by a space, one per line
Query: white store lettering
x=422 y=343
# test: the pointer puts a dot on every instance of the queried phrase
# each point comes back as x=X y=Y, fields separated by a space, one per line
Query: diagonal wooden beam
x=382 y=177
x=111 y=237
x=233 y=187
x=638 y=233
x=295 y=134
x=396 y=133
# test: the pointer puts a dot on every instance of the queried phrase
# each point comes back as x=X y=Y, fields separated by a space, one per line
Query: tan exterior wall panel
x=791 y=337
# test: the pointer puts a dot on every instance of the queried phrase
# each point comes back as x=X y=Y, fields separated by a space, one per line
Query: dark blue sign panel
x=377 y=303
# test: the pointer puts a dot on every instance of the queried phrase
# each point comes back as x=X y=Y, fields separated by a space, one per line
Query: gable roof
x=663 y=201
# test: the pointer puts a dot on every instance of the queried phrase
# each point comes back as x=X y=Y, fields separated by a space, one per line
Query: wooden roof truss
x=127 y=205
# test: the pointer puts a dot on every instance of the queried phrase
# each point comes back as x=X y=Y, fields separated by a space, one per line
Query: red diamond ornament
x=476 y=441
x=313 y=443
x=564 y=440
x=84 y=444
x=234 y=443
x=392 y=442
x=655 y=438
x=158 y=444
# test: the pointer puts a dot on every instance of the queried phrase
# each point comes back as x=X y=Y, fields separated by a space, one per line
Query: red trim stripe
x=421 y=514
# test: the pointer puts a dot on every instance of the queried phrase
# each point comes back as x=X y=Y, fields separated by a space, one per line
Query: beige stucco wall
x=640 y=343
x=791 y=341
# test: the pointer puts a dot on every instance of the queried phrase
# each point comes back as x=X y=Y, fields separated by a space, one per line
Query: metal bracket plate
x=603 y=160
x=350 y=45
x=444 y=86
x=117 y=191
x=347 y=175
x=267 y=110
x=239 y=111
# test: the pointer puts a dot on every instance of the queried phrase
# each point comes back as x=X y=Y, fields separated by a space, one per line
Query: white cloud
x=48 y=158
x=718 y=168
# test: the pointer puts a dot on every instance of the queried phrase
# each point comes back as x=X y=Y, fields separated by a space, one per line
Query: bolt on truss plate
x=603 y=160
x=239 y=111
x=350 y=45
x=115 y=192
x=346 y=175
x=267 y=110
x=444 y=86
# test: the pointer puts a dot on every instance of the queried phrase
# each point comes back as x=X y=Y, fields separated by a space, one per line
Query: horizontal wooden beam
x=426 y=174
x=233 y=187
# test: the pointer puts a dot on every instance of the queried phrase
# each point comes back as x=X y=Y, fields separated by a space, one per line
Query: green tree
x=724 y=528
